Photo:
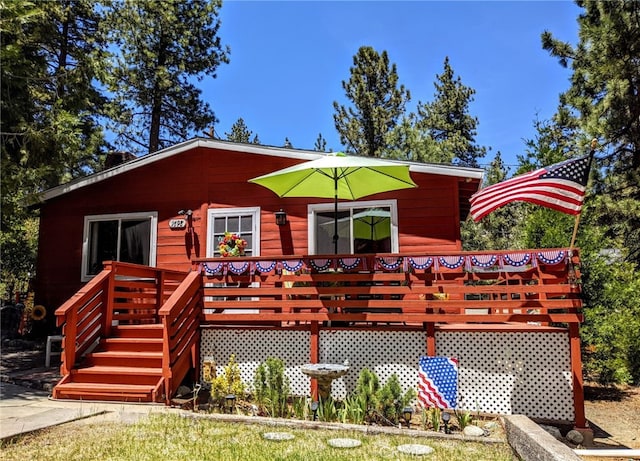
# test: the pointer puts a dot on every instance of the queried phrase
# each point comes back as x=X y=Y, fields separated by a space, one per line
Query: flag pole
x=575 y=232
x=594 y=144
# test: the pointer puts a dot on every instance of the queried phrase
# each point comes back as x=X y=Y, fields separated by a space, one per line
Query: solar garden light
x=230 y=402
x=407 y=412
x=314 y=409
x=445 y=419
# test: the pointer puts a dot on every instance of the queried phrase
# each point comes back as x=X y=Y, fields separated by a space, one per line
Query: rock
x=554 y=431
x=278 y=436
x=415 y=449
x=344 y=443
x=182 y=391
x=575 y=437
x=473 y=431
x=491 y=426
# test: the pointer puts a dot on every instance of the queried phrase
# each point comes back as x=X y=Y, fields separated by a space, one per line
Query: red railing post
x=109 y=295
x=69 y=345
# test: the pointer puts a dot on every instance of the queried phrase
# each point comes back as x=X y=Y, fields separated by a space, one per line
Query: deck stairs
x=125 y=367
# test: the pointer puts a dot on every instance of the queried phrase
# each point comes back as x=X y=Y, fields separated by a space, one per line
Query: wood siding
x=203 y=178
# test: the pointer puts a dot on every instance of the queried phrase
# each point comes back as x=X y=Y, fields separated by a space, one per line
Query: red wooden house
x=136 y=326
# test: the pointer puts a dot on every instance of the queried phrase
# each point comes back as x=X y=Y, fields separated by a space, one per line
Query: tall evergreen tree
x=50 y=56
x=164 y=45
x=239 y=132
x=320 y=144
x=446 y=120
x=604 y=96
x=407 y=142
x=377 y=102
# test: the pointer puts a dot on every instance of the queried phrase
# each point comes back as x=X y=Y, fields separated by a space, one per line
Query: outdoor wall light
x=230 y=402
x=446 y=417
x=407 y=412
x=281 y=218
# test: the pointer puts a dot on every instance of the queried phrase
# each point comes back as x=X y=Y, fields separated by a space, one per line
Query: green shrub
x=230 y=382
x=272 y=387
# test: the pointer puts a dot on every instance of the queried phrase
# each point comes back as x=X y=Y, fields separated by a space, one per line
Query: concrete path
x=24 y=410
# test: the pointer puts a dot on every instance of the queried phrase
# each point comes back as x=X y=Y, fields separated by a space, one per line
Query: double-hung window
x=362 y=227
x=244 y=222
x=127 y=237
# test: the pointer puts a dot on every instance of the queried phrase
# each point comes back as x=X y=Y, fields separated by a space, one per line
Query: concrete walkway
x=24 y=410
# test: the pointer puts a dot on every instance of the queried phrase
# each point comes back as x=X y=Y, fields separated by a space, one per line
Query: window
x=363 y=227
x=129 y=237
x=242 y=221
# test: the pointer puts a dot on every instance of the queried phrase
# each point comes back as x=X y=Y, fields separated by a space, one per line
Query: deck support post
x=581 y=424
x=431 y=338
x=315 y=355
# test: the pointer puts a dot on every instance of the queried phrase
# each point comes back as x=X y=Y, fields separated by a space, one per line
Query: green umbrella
x=338 y=176
x=372 y=224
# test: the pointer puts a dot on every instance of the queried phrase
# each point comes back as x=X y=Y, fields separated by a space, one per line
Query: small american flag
x=438 y=382
x=560 y=186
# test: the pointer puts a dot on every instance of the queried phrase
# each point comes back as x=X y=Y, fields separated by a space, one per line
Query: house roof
x=470 y=174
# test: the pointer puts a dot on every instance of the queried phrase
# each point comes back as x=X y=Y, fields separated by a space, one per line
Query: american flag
x=438 y=382
x=560 y=186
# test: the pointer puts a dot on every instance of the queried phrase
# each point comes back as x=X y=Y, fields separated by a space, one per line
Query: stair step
x=124 y=370
x=110 y=392
x=131 y=344
x=116 y=375
x=153 y=330
x=123 y=358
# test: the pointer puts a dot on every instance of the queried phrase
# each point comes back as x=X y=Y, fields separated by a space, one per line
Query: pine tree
x=51 y=54
x=163 y=46
x=377 y=102
x=320 y=144
x=604 y=96
x=446 y=120
x=240 y=132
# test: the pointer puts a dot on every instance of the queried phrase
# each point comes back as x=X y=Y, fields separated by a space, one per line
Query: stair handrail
x=92 y=300
x=180 y=317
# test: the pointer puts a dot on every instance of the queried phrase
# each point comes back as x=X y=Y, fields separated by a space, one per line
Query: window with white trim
x=362 y=227
x=244 y=222
x=126 y=237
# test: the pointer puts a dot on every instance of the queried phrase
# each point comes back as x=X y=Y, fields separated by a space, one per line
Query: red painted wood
x=200 y=179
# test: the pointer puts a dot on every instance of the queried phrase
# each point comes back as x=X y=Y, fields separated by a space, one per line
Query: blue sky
x=288 y=60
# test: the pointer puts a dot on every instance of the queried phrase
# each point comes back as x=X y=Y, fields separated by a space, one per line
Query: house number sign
x=177 y=223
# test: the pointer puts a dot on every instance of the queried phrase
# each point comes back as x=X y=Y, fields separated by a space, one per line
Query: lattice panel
x=512 y=373
x=384 y=352
x=252 y=347
x=500 y=372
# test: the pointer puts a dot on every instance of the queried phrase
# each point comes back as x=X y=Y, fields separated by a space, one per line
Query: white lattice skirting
x=499 y=372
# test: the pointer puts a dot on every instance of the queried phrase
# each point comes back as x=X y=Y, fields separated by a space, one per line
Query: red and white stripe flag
x=438 y=382
x=560 y=186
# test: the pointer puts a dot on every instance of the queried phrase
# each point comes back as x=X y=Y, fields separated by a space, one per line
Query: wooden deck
x=518 y=290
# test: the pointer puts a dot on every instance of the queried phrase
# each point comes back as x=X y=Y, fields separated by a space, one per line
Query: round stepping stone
x=278 y=436
x=344 y=443
x=415 y=449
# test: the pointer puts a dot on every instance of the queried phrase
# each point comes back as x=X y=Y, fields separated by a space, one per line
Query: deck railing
x=525 y=286
x=180 y=317
x=120 y=294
